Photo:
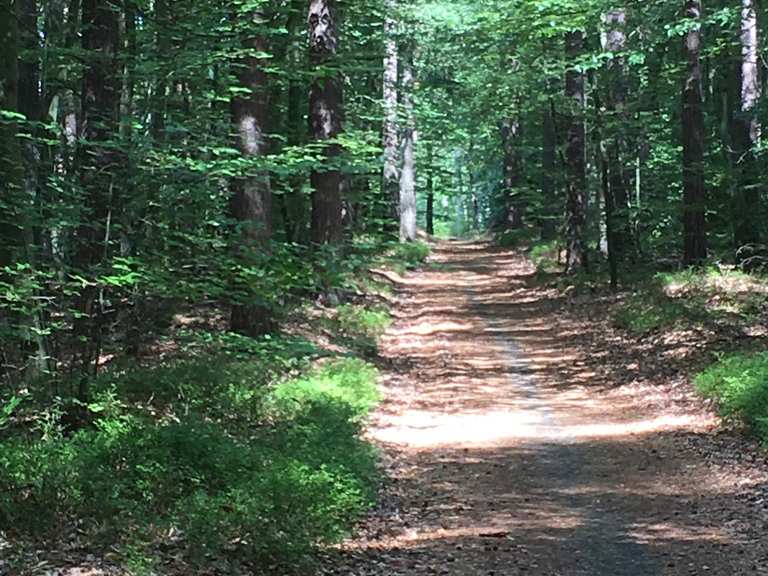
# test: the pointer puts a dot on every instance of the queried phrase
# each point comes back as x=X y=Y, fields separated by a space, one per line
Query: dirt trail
x=508 y=459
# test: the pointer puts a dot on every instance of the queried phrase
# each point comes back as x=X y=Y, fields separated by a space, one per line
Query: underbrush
x=361 y=327
x=198 y=460
x=546 y=256
x=407 y=256
x=739 y=385
x=711 y=295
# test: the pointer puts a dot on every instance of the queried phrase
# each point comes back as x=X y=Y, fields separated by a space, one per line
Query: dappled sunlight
x=425 y=429
x=514 y=449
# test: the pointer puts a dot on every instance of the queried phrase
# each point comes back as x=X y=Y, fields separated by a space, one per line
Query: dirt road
x=508 y=455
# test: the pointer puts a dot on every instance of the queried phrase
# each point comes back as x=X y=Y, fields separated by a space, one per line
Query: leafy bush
x=293 y=472
x=349 y=382
x=362 y=327
x=739 y=384
x=648 y=312
x=516 y=238
x=544 y=256
x=410 y=254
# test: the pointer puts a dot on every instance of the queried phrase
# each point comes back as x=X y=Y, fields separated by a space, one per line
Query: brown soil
x=519 y=438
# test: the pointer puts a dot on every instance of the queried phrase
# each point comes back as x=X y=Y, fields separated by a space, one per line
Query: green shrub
x=293 y=473
x=544 y=256
x=648 y=312
x=739 y=384
x=516 y=238
x=349 y=382
x=410 y=254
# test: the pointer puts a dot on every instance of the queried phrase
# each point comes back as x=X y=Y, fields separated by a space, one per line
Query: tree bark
x=694 y=192
x=326 y=117
x=251 y=203
x=408 y=174
x=98 y=165
x=617 y=196
x=391 y=173
x=430 y=214
x=511 y=133
x=548 y=164
x=745 y=135
x=575 y=156
x=11 y=167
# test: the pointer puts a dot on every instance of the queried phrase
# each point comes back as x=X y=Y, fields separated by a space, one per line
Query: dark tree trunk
x=98 y=164
x=745 y=135
x=511 y=134
x=430 y=215
x=326 y=116
x=11 y=167
x=694 y=192
x=408 y=173
x=548 y=165
x=575 y=159
x=251 y=194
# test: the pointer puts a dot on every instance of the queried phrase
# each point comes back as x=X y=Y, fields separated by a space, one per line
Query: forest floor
x=522 y=435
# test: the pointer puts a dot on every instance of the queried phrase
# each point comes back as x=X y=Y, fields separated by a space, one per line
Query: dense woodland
x=242 y=160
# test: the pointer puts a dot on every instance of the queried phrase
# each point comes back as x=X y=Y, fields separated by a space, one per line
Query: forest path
x=507 y=458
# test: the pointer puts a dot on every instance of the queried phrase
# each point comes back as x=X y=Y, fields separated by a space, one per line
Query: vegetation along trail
x=510 y=456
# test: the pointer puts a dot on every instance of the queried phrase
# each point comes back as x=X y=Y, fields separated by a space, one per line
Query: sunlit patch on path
x=508 y=459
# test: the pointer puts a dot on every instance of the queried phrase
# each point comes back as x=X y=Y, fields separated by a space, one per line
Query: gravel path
x=506 y=459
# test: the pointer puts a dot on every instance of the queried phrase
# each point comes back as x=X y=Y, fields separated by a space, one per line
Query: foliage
x=546 y=256
x=707 y=295
x=410 y=254
x=293 y=473
x=739 y=384
x=362 y=326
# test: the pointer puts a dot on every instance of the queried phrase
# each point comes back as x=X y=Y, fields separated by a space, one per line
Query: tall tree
x=430 y=167
x=511 y=134
x=694 y=191
x=617 y=196
x=408 y=174
x=11 y=173
x=251 y=192
x=575 y=156
x=98 y=161
x=326 y=117
x=548 y=165
x=391 y=176
x=745 y=133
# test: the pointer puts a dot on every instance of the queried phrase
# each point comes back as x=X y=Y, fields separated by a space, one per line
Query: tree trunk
x=430 y=215
x=251 y=194
x=694 y=193
x=326 y=116
x=745 y=135
x=296 y=214
x=511 y=134
x=391 y=175
x=408 y=174
x=548 y=164
x=98 y=164
x=615 y=42
x=575 y=157
x=11 y=167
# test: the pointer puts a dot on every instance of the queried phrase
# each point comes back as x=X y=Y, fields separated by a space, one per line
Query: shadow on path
x=506 y=458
